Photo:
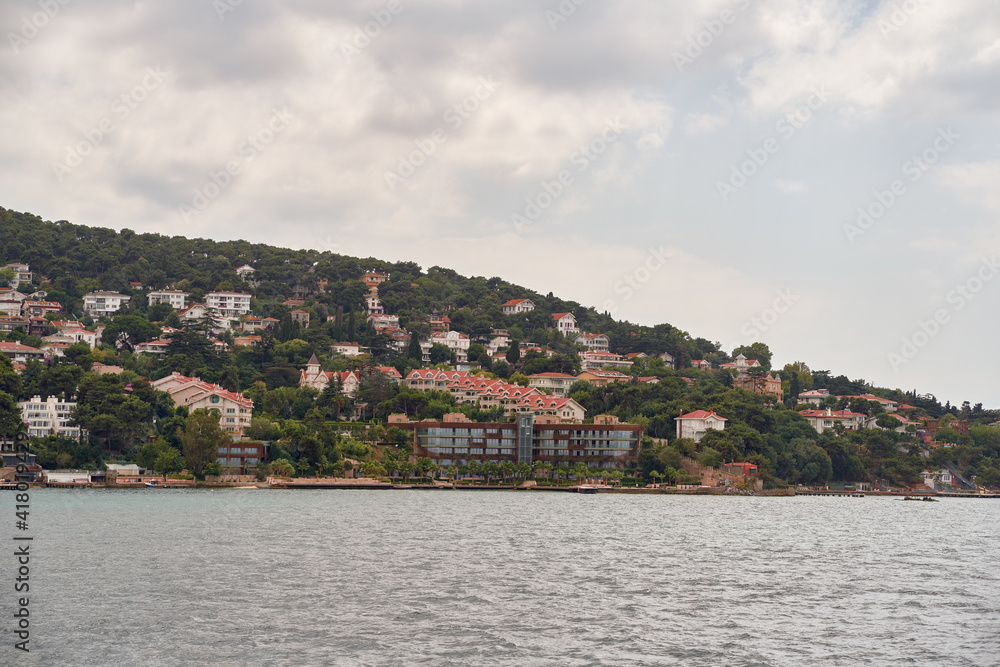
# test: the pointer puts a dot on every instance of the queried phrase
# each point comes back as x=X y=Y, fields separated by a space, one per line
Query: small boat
x=153 y=484
x=926 y=499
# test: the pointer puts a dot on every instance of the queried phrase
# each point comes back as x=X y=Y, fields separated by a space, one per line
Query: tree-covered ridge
x=76 y=260
x=73 y=260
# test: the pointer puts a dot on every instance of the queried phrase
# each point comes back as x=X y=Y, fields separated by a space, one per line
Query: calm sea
x=259 y=577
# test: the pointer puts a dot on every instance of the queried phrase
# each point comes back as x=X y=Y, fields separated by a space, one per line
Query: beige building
x=233 y=408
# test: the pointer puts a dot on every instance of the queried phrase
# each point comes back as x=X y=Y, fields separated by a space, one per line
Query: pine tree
x=414 y=352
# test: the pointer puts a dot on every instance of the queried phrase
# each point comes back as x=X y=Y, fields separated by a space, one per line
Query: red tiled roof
x=702 y=414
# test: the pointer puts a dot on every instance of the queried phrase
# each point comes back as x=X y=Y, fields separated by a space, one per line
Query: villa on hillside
x=516 y=306
x=565 y=323
x=695 y=425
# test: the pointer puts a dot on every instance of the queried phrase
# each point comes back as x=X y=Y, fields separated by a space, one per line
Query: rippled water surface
x=259 y=577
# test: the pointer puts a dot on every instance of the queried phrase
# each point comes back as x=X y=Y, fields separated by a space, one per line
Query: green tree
x=758 y=351
x=413 y=351
x=440 y=354
x=202 y=439
x=127 y=331
x=514 y=352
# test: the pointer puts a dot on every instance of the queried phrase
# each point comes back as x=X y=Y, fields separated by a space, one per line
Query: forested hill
x=78 y=259
x=68 y=261
x=74 y=260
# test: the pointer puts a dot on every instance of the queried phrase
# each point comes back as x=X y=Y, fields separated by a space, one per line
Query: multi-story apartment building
x=176 y=299
x=22 y=274
x=456 y=441
x=558 y=383
x=594 y=342
x=97 y=304
x=233 y=408
x=457 y=342
x=49 y=417
x=239 y=458
x=228 y=304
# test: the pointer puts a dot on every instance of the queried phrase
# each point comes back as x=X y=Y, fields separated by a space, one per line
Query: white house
x=384 y=321
x=515 y=306
x=696 y=424
x=349 y=349
x=155 y=347
x=374 y=304
x=97 y=304
x=228 y=304
x=22 y=274
x=49 y=417
x=741 y=364
x=457 y=342
x=594 y=342
x=595 y=360
x=938 y=479
x=245 y=272
x=314 y=376
x=824 y=419
x=176 y=299
x=565 y=323
x=195 y=311
x=814 y=396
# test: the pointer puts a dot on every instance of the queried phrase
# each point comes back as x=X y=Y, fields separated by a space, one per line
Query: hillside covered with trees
x=128 y=420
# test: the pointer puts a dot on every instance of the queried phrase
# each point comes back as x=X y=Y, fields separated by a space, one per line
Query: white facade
x=228 y=304
x=22 y=274
x=49 y=417
x=594 y=342
x=457 y=342
x=565 y=323
x=97 y=304
x=695 y=425
x=814 y=397
x=516 y=306
x=175 y=298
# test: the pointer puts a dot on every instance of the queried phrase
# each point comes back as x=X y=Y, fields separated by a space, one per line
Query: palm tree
x=654 y=474
x=507 y=468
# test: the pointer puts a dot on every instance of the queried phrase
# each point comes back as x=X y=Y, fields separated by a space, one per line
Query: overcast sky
x=704 y=163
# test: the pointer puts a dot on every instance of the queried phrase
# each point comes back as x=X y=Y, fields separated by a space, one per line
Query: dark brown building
x=456 y=441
